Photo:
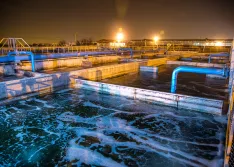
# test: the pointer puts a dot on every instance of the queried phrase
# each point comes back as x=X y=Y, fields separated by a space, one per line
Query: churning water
x=83 y=128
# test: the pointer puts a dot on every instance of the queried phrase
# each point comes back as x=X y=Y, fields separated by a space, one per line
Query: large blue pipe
x=218 y=55
x=15 y=58
x=51 y=56
x=126 y=49
x=198 y=70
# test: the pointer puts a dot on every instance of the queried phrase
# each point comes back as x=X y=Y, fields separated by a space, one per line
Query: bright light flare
x=219 y=43
x=156 y=38
x=120 y=36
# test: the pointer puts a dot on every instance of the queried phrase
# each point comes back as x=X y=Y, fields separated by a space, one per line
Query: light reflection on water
x=84 y=128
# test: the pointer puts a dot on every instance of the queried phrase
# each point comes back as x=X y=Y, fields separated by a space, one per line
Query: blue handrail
x=198 y=70
x=218 y=55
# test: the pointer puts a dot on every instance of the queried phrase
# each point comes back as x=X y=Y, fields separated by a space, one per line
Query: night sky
x=53 y=20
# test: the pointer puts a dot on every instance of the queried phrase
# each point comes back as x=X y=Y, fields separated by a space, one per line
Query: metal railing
x=51 y=49
x=67 y=49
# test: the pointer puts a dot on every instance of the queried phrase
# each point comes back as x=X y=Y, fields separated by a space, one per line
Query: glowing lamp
x=156 y=38
x=120 y=36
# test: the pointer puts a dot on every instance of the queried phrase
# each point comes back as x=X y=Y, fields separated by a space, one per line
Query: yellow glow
x=117 y=44
x=120 y=36
x=218 y=44
x=156 y=38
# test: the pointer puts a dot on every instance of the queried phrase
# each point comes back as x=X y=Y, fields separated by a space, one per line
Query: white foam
x=146 y=144
x=70 y=117
x=108 y=122
x=89 y=104
x=119 y=125
x=44 y=103
x=90 y=157
x=20 y=136
x=157 y=146
x=106 y=128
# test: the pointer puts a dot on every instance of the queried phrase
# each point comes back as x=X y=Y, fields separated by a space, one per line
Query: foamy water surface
x=78 y=127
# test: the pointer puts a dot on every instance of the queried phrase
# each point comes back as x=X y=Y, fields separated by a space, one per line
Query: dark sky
x=52 y=20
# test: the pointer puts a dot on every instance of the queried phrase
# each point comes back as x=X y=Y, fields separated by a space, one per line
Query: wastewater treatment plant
x=132 y=99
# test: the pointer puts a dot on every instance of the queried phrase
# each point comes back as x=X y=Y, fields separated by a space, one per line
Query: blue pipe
x=198 y=70
x=16 y=58
x=126 y=49
x=218 y=55
x=51 y=56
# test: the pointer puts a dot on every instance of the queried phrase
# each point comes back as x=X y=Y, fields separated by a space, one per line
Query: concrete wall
x=175 y=100
x=68 y=62
x=78 y=61
x=148 y=55
x=104 y=72
x=197 y=64
x=206 y=57
x=23 y=88
x=182 y=53
x=103 y=59
x=161 y=61
x=48 y=82
x=7 y=70
x=149 y=69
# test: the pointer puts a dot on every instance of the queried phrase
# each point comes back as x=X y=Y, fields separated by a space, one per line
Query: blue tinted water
x=77 y=127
